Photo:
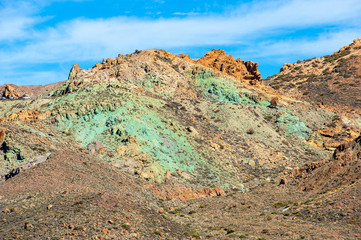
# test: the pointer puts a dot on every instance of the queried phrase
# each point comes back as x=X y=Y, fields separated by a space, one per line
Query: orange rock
x=106 y=231
x=327 y=132
x=219 y=191
x=28 y=115
x=13 y=91
x=168 y=174
x=241 y=70
x=332 y=144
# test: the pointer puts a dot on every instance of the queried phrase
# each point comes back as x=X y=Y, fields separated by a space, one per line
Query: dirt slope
x=74 y=195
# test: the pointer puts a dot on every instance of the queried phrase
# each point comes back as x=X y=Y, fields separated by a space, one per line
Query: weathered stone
x=287 y=66
x=241 y=70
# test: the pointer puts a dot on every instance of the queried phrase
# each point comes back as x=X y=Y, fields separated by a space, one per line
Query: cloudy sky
x=41 y=39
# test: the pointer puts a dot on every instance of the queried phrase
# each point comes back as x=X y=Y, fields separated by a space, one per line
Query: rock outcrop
x=26 y=115
x=287 y=66
x=11 y=91
x=356 y=43
x=241 y=70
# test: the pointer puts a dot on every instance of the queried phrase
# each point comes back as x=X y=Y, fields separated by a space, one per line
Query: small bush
x=229 y=231
x=334 y=57
x=126 y=226
x=353 y=84
x=281 y=204
x=195 y=234
x=268 y=117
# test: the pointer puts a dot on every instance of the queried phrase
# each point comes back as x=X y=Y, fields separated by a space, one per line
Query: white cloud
x=186 y=13
x=250 y=25
x=15 y=22
x=327 y=43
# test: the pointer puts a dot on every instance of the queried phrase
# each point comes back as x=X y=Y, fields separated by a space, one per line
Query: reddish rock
x=327 y=132
x=219 y=191
x=241 y=70
x=274 y=102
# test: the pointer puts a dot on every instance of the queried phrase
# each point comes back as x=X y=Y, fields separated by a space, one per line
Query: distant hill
x=32 y=91
x=332 y=81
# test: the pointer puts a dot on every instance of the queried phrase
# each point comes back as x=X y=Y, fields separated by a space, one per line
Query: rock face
x=241 y=70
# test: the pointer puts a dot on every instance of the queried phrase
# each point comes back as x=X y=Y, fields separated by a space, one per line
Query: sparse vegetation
x=333 y=57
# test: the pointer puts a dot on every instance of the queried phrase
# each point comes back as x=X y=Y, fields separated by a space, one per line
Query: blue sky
x=40 y=40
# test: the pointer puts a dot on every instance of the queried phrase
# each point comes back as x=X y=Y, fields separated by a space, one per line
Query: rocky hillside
x=332 y=81
x=189 y=137
x=153 y=112
x=333 y=185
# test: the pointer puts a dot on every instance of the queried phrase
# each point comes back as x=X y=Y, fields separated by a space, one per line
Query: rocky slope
x=180 y=133
x=154 y=112
x=332 y=81
x=332 y=186
x=342 y=170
